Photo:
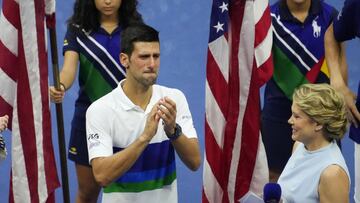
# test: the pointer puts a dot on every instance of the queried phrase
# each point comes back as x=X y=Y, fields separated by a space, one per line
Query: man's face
x=143 y=64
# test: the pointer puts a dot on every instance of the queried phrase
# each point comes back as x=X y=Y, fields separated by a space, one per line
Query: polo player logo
x=316 y=28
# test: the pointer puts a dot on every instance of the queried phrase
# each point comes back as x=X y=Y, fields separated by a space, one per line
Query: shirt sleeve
x=98 y=131
x=70 y=42
x=184 y=117
x=347 y=23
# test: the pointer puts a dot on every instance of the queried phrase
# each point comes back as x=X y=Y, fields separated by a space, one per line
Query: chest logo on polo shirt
x=316 y=28
x=339 y=15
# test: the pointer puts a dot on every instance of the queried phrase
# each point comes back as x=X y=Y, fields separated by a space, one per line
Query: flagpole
x=59 y=117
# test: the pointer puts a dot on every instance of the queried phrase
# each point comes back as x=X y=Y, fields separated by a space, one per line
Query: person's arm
x=187 y=148
x=188 y=151
x=67 y=76
x=107 y=169
x=334 y=185
x=68 y=72
x=336 y=61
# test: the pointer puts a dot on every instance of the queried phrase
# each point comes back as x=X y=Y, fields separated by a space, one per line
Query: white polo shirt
x=113 y=122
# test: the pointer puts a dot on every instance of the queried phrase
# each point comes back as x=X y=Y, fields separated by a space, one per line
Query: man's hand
x=152 y=123
x=167 y=112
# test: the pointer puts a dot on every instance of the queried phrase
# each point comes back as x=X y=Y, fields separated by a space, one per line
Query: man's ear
x=124 y=60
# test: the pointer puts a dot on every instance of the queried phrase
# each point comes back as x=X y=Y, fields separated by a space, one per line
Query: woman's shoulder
x=333 y=172
x=328 y=10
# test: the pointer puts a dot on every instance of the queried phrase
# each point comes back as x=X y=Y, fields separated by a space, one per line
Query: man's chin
x=150 y=81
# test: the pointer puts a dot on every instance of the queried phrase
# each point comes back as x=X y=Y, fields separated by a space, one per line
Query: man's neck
x=138 y=94
x=299 y=10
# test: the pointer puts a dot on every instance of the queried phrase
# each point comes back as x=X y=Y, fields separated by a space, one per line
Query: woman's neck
x=316 y=144
x=109 y=26
x=109 y=23
x=299 y=9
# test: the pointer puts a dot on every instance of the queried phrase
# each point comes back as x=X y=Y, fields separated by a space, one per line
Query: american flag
x=24 y=97
x=239 y=63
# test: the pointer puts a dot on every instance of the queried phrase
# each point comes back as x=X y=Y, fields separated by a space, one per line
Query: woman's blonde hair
x=325 y=106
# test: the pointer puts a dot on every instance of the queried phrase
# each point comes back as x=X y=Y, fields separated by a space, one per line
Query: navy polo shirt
x=302 y=44
x=100 y=70
x=347 y=23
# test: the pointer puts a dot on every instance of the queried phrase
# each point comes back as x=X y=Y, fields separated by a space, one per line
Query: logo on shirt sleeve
x=93 y=136
x=93 y=140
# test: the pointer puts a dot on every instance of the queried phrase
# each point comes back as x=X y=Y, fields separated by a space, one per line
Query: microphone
x=272 y=193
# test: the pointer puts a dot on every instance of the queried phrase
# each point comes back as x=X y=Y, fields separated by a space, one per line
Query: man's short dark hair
x=137 y=33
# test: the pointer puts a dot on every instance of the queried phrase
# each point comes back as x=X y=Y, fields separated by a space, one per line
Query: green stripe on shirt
x=286 y=74
x=95 y=85
x=142 y=186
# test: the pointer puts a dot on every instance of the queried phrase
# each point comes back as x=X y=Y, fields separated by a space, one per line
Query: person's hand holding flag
x=3 y=152
x=3 y=126
x=3 y=122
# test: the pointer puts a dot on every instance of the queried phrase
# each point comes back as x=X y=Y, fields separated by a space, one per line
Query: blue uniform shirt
x=347 y=24
x=302 y=44
x=99 y=68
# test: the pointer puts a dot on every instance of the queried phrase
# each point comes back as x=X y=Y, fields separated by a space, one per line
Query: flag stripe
x=261 y=7
x=245 y=56
x=26 y=62
x=10 y=13
x=9 y=34
x=263 y=37
x=24 y=73
x=7 y=62
x=212 y=189
x=5 y=109
x=214 y=117
x=221 y=57
x=214 y=76
x=214 y=155
x=46 y=170
x=232 y=165
x=250 y=128
x=233 y=142
x=7 y=85
x=20 y=190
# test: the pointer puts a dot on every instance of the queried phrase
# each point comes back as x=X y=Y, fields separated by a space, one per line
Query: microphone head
x=272 y=192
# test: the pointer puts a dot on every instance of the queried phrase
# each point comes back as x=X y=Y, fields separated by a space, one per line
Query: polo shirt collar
x=103 y=31
x=285 y=13
x=122 y=99
x=127 y=104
